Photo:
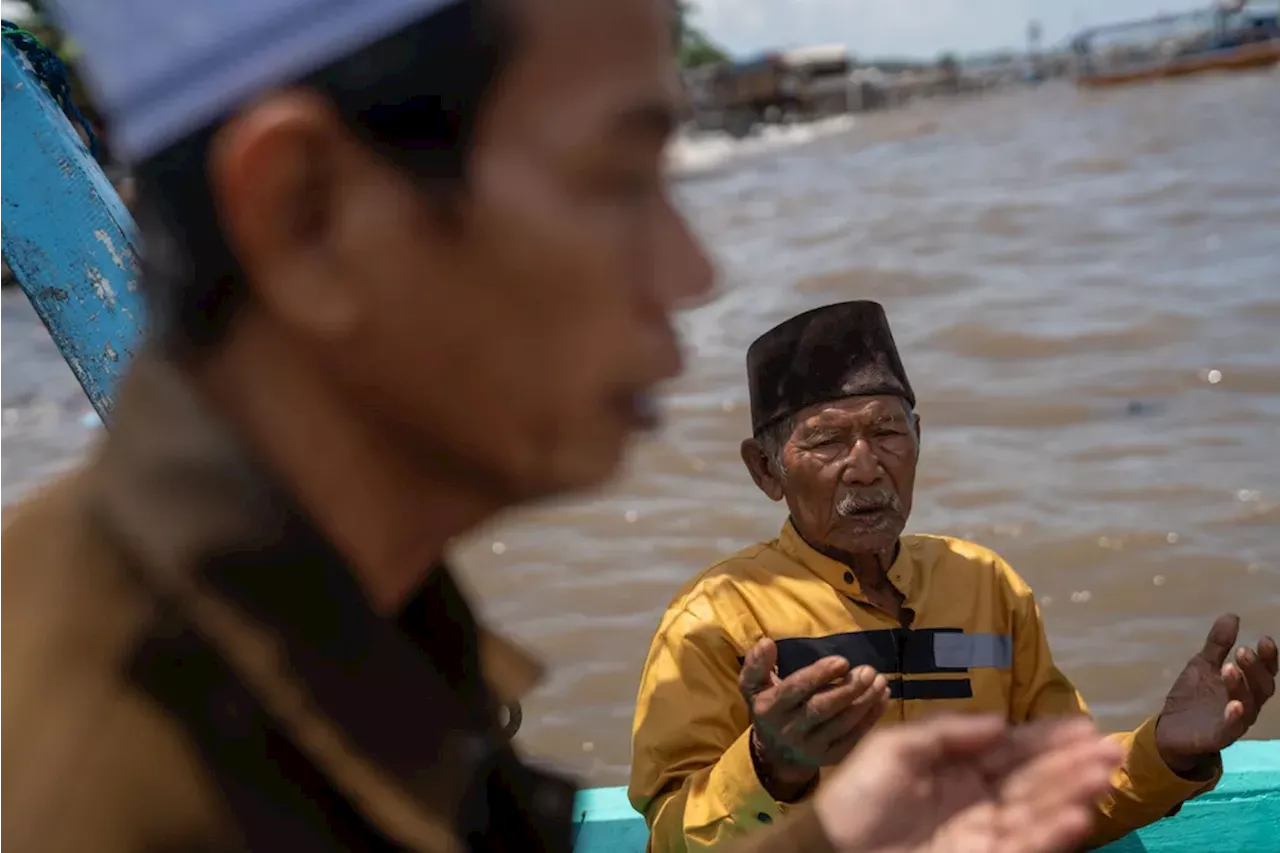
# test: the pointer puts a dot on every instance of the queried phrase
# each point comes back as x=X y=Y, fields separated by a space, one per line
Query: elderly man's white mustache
x=868 y=500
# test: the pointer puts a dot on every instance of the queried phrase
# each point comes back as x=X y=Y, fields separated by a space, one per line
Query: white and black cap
x=162 y=69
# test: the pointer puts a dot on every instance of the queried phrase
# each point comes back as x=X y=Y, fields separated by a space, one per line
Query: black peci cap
x=841 y=350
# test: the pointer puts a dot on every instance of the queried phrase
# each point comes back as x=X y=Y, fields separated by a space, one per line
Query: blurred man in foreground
x=736 y=718
x=411 y=262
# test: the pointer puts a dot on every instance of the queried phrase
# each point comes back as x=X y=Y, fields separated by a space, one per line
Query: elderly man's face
x=846 y=471
x=510 y=334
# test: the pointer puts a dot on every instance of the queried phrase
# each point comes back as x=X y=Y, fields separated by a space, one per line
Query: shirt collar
x=902 y=572
x=219 y=544
x=182 y=490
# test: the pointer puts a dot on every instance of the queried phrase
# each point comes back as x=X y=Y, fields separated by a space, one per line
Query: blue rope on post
x=52 y=73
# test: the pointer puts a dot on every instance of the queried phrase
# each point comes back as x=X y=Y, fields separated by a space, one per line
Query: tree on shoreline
x=693 y=47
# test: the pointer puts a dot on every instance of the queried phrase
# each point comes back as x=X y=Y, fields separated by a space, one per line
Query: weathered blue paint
x=67 y=237
x=1241 y=815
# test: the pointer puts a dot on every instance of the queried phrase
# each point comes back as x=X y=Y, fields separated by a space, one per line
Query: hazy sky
x=922 y=28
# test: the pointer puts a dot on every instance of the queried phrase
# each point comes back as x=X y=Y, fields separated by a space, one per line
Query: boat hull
x=1244 y=58
x=1241 y=815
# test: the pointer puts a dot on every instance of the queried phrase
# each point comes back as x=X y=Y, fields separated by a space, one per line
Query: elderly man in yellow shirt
x=769 y=666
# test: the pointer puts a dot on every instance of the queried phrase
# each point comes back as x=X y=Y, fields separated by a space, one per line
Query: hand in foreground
x=1216 y=698
x=967 y=784
x=810 y=719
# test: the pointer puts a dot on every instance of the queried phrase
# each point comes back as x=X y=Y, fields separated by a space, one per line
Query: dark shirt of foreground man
x=409 y=263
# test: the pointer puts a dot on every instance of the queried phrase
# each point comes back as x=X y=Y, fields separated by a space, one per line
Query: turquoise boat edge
x=1241 y=815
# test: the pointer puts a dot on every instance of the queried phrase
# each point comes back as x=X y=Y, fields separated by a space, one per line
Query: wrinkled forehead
x=854 y=411
x=592 y=66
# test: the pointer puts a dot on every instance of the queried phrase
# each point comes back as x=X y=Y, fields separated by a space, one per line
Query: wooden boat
x=1232 y=36
x=70 y=242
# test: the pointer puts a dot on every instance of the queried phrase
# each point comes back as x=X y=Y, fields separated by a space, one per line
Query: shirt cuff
x=801 y=831
x=739 y=790
x=1153 y=779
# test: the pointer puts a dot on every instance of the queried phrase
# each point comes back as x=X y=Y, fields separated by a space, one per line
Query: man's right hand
x=810 y=719
x=969 y=783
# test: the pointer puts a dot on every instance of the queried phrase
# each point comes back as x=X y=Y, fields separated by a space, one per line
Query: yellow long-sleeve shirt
x=976 y=644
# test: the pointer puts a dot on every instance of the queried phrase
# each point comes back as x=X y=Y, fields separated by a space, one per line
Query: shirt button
x=476 y=749
x=548 y=801
x=764 y=818
x=848 y=577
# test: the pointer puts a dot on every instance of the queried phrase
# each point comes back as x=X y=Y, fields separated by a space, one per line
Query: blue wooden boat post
x=67 y=236
x=70 y=243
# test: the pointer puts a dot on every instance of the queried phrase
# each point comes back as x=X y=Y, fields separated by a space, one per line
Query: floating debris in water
x=697 y=464
x=1158 y=580
x=1142 y=407
x=631 y=516
x=727 y=406
x=1172 y=538
x=1213 y=377
x=1082 y=596
x=588 y=746
x=1248 y=495
x=1046 y=600
x=1108 y=542
x=499 y=548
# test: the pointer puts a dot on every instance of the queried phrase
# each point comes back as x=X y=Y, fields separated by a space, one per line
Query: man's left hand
x=1216 y=698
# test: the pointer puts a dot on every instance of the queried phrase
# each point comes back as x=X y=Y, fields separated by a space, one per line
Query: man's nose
x=686 y=275
x=862 y=466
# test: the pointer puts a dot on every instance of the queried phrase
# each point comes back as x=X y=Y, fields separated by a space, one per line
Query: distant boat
x=1231 y=36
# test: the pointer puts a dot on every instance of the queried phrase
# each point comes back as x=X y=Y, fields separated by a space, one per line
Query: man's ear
x=917 y=428
x=763 y=471
x=272 y=173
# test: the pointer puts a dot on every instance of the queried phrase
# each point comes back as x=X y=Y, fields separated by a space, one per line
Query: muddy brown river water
x=1086 y=292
